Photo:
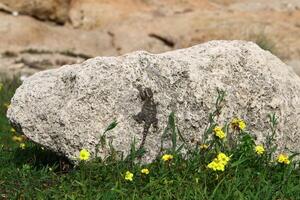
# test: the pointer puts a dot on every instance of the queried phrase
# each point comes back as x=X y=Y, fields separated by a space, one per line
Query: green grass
x=36 y=173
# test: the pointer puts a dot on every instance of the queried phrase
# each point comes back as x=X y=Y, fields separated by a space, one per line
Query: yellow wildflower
x=216 y=165
x=12 y=130
x=219 y=163
x=167 y=157
x=223 y=158
x=238 y=124
x=22 y=145
x=219 y=132
x=283 y=158
x=145 y=171
x=17 y=138
x=128 y=176
x=259 y=149
x=84 y=154
x=204 y=146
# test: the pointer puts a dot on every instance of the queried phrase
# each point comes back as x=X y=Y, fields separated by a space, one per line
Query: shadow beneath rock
x=41 y=158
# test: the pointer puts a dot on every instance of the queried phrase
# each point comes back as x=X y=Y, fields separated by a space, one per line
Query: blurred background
x=42 y=34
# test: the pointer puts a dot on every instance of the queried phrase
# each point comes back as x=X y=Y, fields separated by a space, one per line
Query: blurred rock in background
x=50 y=10
x=37 y=34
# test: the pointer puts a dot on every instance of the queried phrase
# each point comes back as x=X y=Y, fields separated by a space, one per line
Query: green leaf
x=111 y=126
x=236 y=163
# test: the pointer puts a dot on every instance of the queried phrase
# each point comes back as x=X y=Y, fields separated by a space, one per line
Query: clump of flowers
x=145 y=171
x=219 y=132
x=216 y=166
x=84 y=155
x=219 y=163
x=238 y=124
x=167 y=157
x=259 y=149
x=283 y=159
x=128 y=176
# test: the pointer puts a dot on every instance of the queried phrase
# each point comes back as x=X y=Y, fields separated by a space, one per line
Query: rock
x=100 y=13
x=32 y=40
x=295 y=64
x=260 y=5
x=51 y=10
x=27 y=63
x=67 y=109
x=97 y=27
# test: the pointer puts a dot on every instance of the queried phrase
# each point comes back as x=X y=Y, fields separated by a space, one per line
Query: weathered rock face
x=97 y=27
x=53 y=10
x=100 y=13
x=67 y=109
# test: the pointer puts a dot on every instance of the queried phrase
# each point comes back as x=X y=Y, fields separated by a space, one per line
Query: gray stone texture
x=68 y=108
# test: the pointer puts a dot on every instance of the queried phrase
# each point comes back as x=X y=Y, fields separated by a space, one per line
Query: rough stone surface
x=112 y=28
x=52 y=10
x=68 y=108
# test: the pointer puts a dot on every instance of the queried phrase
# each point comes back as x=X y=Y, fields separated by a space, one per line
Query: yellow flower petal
x=22 y=145
x=283 y=158
x=259 y=149
x=128 y=176
x=17 y=138
x=239 y=124
x=84 y=155
x=219 y=132
x=145 y=171
x=204 y=146
x=167 y=157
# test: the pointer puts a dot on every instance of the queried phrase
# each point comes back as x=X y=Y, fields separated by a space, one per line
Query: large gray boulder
x=67 y=109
